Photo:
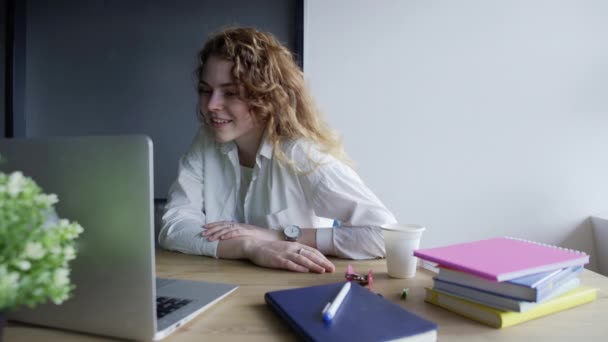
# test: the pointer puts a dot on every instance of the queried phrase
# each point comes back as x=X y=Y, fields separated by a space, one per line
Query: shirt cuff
x=325 y=241
x=184 y=236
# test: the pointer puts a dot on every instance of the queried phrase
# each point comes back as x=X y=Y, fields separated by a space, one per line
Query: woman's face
x=223 y=107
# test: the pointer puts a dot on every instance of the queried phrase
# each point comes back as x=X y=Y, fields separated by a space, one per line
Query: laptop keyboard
x=166 y=305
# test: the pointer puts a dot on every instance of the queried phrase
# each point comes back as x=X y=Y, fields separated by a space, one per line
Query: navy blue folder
x=363 y=316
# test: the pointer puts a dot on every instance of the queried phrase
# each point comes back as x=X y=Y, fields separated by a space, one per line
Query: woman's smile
x=219 y=123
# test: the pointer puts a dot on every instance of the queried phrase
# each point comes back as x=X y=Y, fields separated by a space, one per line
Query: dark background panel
x=126 y=67
x=3 y=26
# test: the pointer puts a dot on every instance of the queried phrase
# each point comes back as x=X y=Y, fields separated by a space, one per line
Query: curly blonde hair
x=274 y=88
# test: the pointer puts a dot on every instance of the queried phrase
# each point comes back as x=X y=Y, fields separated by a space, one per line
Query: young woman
x=265 y=177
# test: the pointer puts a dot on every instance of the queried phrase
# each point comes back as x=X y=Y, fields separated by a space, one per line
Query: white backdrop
x=475 y=118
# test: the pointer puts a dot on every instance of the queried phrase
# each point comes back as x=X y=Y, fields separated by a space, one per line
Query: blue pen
x=332 y=307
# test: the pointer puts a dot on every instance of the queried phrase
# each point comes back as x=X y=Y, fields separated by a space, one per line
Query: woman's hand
x=287 y=255
x=224 y=230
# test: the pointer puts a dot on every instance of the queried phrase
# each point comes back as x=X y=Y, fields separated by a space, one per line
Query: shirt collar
x=265 y=149
x=227 y=147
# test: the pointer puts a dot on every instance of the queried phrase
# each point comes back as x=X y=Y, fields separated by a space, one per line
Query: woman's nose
x=215 y=102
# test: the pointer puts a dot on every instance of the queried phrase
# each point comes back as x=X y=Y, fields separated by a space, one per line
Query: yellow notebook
x=502 y=319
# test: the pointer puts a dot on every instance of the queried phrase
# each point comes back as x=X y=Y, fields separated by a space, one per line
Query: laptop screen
x=106 y=185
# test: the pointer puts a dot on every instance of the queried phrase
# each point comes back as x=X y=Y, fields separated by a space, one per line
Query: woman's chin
x=222 y=139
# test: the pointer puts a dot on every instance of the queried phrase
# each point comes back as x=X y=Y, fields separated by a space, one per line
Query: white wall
x=475 y=118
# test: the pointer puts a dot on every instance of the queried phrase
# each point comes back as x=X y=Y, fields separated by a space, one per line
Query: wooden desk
x=244 y=316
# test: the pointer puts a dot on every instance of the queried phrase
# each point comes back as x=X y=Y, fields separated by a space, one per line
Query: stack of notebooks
x=505 y=281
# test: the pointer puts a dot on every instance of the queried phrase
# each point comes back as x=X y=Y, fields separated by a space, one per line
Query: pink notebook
x=501 y=259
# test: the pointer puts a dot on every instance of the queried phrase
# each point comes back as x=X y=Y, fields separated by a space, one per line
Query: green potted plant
x=35 y=246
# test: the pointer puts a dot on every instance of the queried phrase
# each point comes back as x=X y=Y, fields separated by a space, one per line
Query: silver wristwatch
x=292 y=232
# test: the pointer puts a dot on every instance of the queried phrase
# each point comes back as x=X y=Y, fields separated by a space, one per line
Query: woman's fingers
x=302 y=260
x=217 y=224
x=312 y=259
x=318 y=259
x=293 y=266
x=219 y=229
x=291 y=256
x=228 y=230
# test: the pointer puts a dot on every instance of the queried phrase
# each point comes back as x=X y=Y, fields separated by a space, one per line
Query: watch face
x=292 y=232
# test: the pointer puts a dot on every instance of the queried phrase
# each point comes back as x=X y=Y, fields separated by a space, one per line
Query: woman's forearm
x=237 y=248
x=358 y=242
x=292 y=256
x=309 y=237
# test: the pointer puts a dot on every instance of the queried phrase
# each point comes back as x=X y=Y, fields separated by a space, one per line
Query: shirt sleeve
x=339 y=193
x=184 y=212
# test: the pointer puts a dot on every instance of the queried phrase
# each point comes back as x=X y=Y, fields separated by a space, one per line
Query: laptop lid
x=104 y=183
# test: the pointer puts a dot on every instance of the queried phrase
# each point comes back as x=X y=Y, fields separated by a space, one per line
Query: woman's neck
x=248 y=146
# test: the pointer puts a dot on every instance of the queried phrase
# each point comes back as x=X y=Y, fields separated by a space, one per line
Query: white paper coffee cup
x=400 y=241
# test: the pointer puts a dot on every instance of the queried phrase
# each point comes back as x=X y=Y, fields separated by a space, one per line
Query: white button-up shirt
x=208 y=187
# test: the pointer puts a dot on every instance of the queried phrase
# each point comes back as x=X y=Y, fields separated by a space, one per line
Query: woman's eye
x=204 y=91
x=231 y=93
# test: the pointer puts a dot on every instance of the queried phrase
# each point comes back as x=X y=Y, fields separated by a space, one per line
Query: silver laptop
x=106 y=185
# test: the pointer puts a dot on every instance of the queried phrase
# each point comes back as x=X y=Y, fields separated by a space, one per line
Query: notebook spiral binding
x=546 y=245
